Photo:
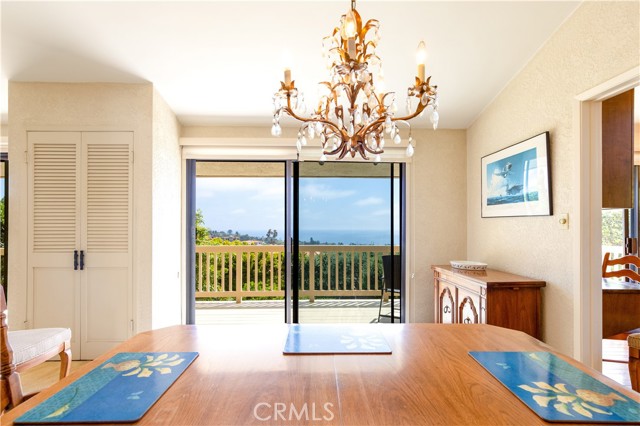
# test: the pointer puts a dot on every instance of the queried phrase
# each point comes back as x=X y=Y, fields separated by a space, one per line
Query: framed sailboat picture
x=516 y=181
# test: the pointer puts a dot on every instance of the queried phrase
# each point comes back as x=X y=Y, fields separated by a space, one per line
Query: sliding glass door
x=273 y=242
x=347 y=236
x=239 y=258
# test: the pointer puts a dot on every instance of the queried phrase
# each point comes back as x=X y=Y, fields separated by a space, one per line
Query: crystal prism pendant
x=397 y=139
x=409 y=150
x=377 y=159
x=298 y=146
x=276 y=130
x=435 y=117
x=323 y=158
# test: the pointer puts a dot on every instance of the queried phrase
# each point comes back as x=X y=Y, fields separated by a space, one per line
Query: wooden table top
x=241 y=375
x=491 y=278
x=617 y=286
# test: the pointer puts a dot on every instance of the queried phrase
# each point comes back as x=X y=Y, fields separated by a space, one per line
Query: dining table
x=242 y=377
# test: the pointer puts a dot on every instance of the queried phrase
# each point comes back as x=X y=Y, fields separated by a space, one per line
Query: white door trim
x=587 y=244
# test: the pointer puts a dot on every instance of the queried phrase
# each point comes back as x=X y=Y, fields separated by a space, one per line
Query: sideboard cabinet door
x=446 y=302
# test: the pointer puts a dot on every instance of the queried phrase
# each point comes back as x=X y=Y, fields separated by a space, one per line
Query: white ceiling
x=219 y=62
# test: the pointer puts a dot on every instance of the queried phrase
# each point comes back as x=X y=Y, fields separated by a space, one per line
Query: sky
x=250 y=205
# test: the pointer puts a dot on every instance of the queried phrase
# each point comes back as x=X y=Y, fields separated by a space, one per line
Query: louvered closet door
x=105 y=237
x=54 y=230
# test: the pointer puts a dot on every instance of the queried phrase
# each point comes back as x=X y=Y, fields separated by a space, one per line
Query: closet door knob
x=82 y=260
x=75 y=260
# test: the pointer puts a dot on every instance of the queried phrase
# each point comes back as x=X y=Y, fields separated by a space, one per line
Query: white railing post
x=239 y=283
x=367 y=277
x=312 y=274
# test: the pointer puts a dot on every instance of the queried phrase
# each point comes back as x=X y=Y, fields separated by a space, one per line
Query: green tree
x=203 y=236
x=613 y=227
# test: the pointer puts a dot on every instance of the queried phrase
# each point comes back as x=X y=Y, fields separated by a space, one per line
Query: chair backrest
x=389 y=274
x=10 y=387
x=607 y=262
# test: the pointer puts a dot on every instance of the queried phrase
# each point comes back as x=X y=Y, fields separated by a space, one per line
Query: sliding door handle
x=82 y=260
x=75 y=260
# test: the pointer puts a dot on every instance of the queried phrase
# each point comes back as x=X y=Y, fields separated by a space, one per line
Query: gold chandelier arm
x=370 y=127
x=289 y=111
x=419 y=109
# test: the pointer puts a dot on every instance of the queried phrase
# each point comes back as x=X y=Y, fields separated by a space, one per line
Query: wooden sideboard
x=488 y=297
x=620 y=307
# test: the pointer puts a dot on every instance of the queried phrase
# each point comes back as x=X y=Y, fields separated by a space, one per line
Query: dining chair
x=23 y=349
x=391 y=284
x=625 y=272
x=634 y=360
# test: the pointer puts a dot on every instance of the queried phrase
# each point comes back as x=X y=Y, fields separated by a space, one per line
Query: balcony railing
x=257 y=271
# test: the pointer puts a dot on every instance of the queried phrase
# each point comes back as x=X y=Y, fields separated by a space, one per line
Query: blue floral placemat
x=120 y=390
x=556 y=390
x=335 y=339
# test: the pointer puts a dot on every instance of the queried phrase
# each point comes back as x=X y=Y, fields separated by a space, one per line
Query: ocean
x=348 y=237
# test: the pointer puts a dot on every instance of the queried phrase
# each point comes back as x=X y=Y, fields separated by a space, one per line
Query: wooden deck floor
x=272 y=312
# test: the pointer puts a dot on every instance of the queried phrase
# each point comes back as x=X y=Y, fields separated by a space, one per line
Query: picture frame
x=516 y=181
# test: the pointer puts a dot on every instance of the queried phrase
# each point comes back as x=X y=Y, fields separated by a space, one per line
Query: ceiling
x=219 y=62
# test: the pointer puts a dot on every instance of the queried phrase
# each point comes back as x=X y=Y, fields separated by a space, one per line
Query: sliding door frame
x=190 y=237
x=295 y=276
x=291 y=234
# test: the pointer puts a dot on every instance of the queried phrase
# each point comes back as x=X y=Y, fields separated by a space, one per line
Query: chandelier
x=354 y=114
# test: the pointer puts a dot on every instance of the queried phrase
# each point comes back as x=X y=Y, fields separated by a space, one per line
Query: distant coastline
x=336 y=237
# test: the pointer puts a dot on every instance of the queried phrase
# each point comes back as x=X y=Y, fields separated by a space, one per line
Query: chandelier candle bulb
x=350 y=25
x=421 y=59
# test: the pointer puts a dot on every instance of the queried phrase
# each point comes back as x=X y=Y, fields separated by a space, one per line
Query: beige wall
x=438 y=207
x=598 y=42
x=437 y=202
x=125 y=107
x=166 y=216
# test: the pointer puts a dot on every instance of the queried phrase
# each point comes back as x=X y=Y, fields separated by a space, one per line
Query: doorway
x=588 y=244
x=274 y=242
